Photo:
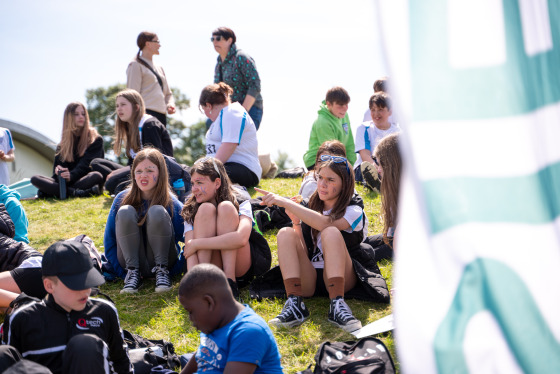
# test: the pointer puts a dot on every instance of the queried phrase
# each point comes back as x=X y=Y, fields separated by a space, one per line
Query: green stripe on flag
x=532 y=199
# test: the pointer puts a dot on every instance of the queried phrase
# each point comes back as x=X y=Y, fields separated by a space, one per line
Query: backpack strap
x=158 y=77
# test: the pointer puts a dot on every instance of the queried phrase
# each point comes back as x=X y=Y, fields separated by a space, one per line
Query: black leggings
x=120 y=175
x=160 y=116
x=49 y=186
x=241 y=174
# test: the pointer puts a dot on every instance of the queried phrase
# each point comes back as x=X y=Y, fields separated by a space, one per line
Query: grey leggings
x=143 y=247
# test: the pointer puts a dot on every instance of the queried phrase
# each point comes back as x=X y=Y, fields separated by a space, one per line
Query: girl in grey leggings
x=145 y=226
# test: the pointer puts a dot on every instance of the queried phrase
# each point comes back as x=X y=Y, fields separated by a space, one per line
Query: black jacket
x=155 y=135
x=80 y=166
x=43 y=325
x=12 y=252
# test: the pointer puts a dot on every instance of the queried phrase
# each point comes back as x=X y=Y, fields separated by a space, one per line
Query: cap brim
x=82 y=281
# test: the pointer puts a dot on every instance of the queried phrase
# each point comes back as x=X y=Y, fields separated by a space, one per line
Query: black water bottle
x=61 y=186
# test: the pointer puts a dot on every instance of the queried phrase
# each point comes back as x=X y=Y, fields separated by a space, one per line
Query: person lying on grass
x=219 y=227
x=233 y=338
x=314 y=254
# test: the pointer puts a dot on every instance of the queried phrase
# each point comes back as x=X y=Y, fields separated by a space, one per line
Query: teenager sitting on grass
x=233 y=338
x=134 y=130
x=145 y=226
x=79 y=145
x=67 y=332
x=219 y=228
x=309 y=184
x=314 y=254
x=387 y=159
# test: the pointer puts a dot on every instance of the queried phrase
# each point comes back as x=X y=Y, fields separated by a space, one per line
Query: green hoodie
x=328 y=127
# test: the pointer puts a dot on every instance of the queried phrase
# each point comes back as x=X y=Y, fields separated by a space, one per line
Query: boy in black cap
x=67 y=331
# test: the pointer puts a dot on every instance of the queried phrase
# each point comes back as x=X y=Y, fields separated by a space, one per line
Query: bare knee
x=206 y=210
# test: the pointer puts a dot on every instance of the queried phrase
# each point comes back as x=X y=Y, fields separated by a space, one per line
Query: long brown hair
x=389 y=157
x=207 y=167
x=161 y=195
x=127 y=133
x=70 y=141
x=344 y=171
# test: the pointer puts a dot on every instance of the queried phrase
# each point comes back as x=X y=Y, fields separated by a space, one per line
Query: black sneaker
x=371 y=178
x=293 y=314
x=94 y=191
x=163 y=281
x=132 y=282
x=341 y=315
x=234 y=288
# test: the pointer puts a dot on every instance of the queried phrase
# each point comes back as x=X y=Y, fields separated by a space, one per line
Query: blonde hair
x=70 y=142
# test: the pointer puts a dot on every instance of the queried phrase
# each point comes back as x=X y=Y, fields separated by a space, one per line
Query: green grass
x=160 y=316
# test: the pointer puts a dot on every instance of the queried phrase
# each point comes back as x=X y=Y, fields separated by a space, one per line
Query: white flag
x=478 y=252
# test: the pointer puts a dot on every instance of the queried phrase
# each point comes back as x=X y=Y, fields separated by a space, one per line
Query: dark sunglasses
x=216 y=38
x=336 y=160
x=375 y=161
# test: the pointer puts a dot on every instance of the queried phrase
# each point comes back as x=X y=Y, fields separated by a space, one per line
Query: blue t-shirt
x=245 y=339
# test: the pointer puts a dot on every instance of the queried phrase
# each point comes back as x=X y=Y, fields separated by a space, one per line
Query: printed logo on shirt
x=345 y=127
x=210 y=149
x=85 y=324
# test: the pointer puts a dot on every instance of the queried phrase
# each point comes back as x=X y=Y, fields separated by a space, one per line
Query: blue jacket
x=110 y=238
x=10 y=198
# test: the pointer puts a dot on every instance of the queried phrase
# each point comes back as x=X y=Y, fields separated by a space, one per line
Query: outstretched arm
x=312 y=218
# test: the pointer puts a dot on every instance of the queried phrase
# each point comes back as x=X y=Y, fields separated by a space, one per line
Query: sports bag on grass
x=146 y=354
x=366 y=356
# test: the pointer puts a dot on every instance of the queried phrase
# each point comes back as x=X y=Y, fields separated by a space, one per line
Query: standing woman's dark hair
x=238 y=70
x=144 y=76
x=390 y=166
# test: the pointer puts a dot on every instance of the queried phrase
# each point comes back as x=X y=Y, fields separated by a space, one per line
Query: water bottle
x=179 y=187
x=61 y=186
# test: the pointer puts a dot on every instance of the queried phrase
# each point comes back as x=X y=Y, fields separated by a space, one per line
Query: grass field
x=160 y=316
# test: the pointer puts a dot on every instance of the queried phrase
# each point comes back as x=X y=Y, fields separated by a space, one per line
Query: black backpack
x=154 y=352
x=366 y=356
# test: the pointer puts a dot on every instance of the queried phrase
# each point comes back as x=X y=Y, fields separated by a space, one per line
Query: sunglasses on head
x=336 y=160
x=216 y=38
x=213 y=163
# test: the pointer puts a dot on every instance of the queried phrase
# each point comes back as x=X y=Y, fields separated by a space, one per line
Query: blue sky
x=52 y=51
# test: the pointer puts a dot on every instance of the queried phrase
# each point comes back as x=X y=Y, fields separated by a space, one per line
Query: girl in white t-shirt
x=314 y=254
x=232 y=136
x=217 y=227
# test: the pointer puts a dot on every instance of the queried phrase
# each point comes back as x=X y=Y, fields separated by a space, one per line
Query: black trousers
x=84 y=353
x=380 y=249
x=119 y=177
x=241 y=174
x=160 y=116
x=49 y=186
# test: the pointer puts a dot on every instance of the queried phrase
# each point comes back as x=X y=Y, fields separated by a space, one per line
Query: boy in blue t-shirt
x=233 y=337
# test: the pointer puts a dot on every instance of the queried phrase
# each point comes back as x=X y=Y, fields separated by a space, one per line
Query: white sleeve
x=245 y=209
x=362 y=140
x=188 y=227
x=233 y=130
x=353 y=216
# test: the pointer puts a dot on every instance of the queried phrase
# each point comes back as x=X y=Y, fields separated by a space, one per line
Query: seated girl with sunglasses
x=315 y=255
x=232 y=136
x=219 y=229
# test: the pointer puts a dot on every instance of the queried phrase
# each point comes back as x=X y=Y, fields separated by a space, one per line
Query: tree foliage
x=283 y=161
x=188 y=143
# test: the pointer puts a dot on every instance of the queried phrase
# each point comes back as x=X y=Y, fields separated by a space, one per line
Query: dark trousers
x=84 y=353
x=160 y=116
x=241 y=174
x=117 y=177
x=49 y=186
x=380 y=249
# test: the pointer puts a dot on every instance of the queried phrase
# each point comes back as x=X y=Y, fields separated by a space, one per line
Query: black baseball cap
x=69 y=260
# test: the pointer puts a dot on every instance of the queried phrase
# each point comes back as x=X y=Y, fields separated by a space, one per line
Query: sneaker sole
x=276 y=322
x=348 y=328
x=163 y=289
x=129 y=290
